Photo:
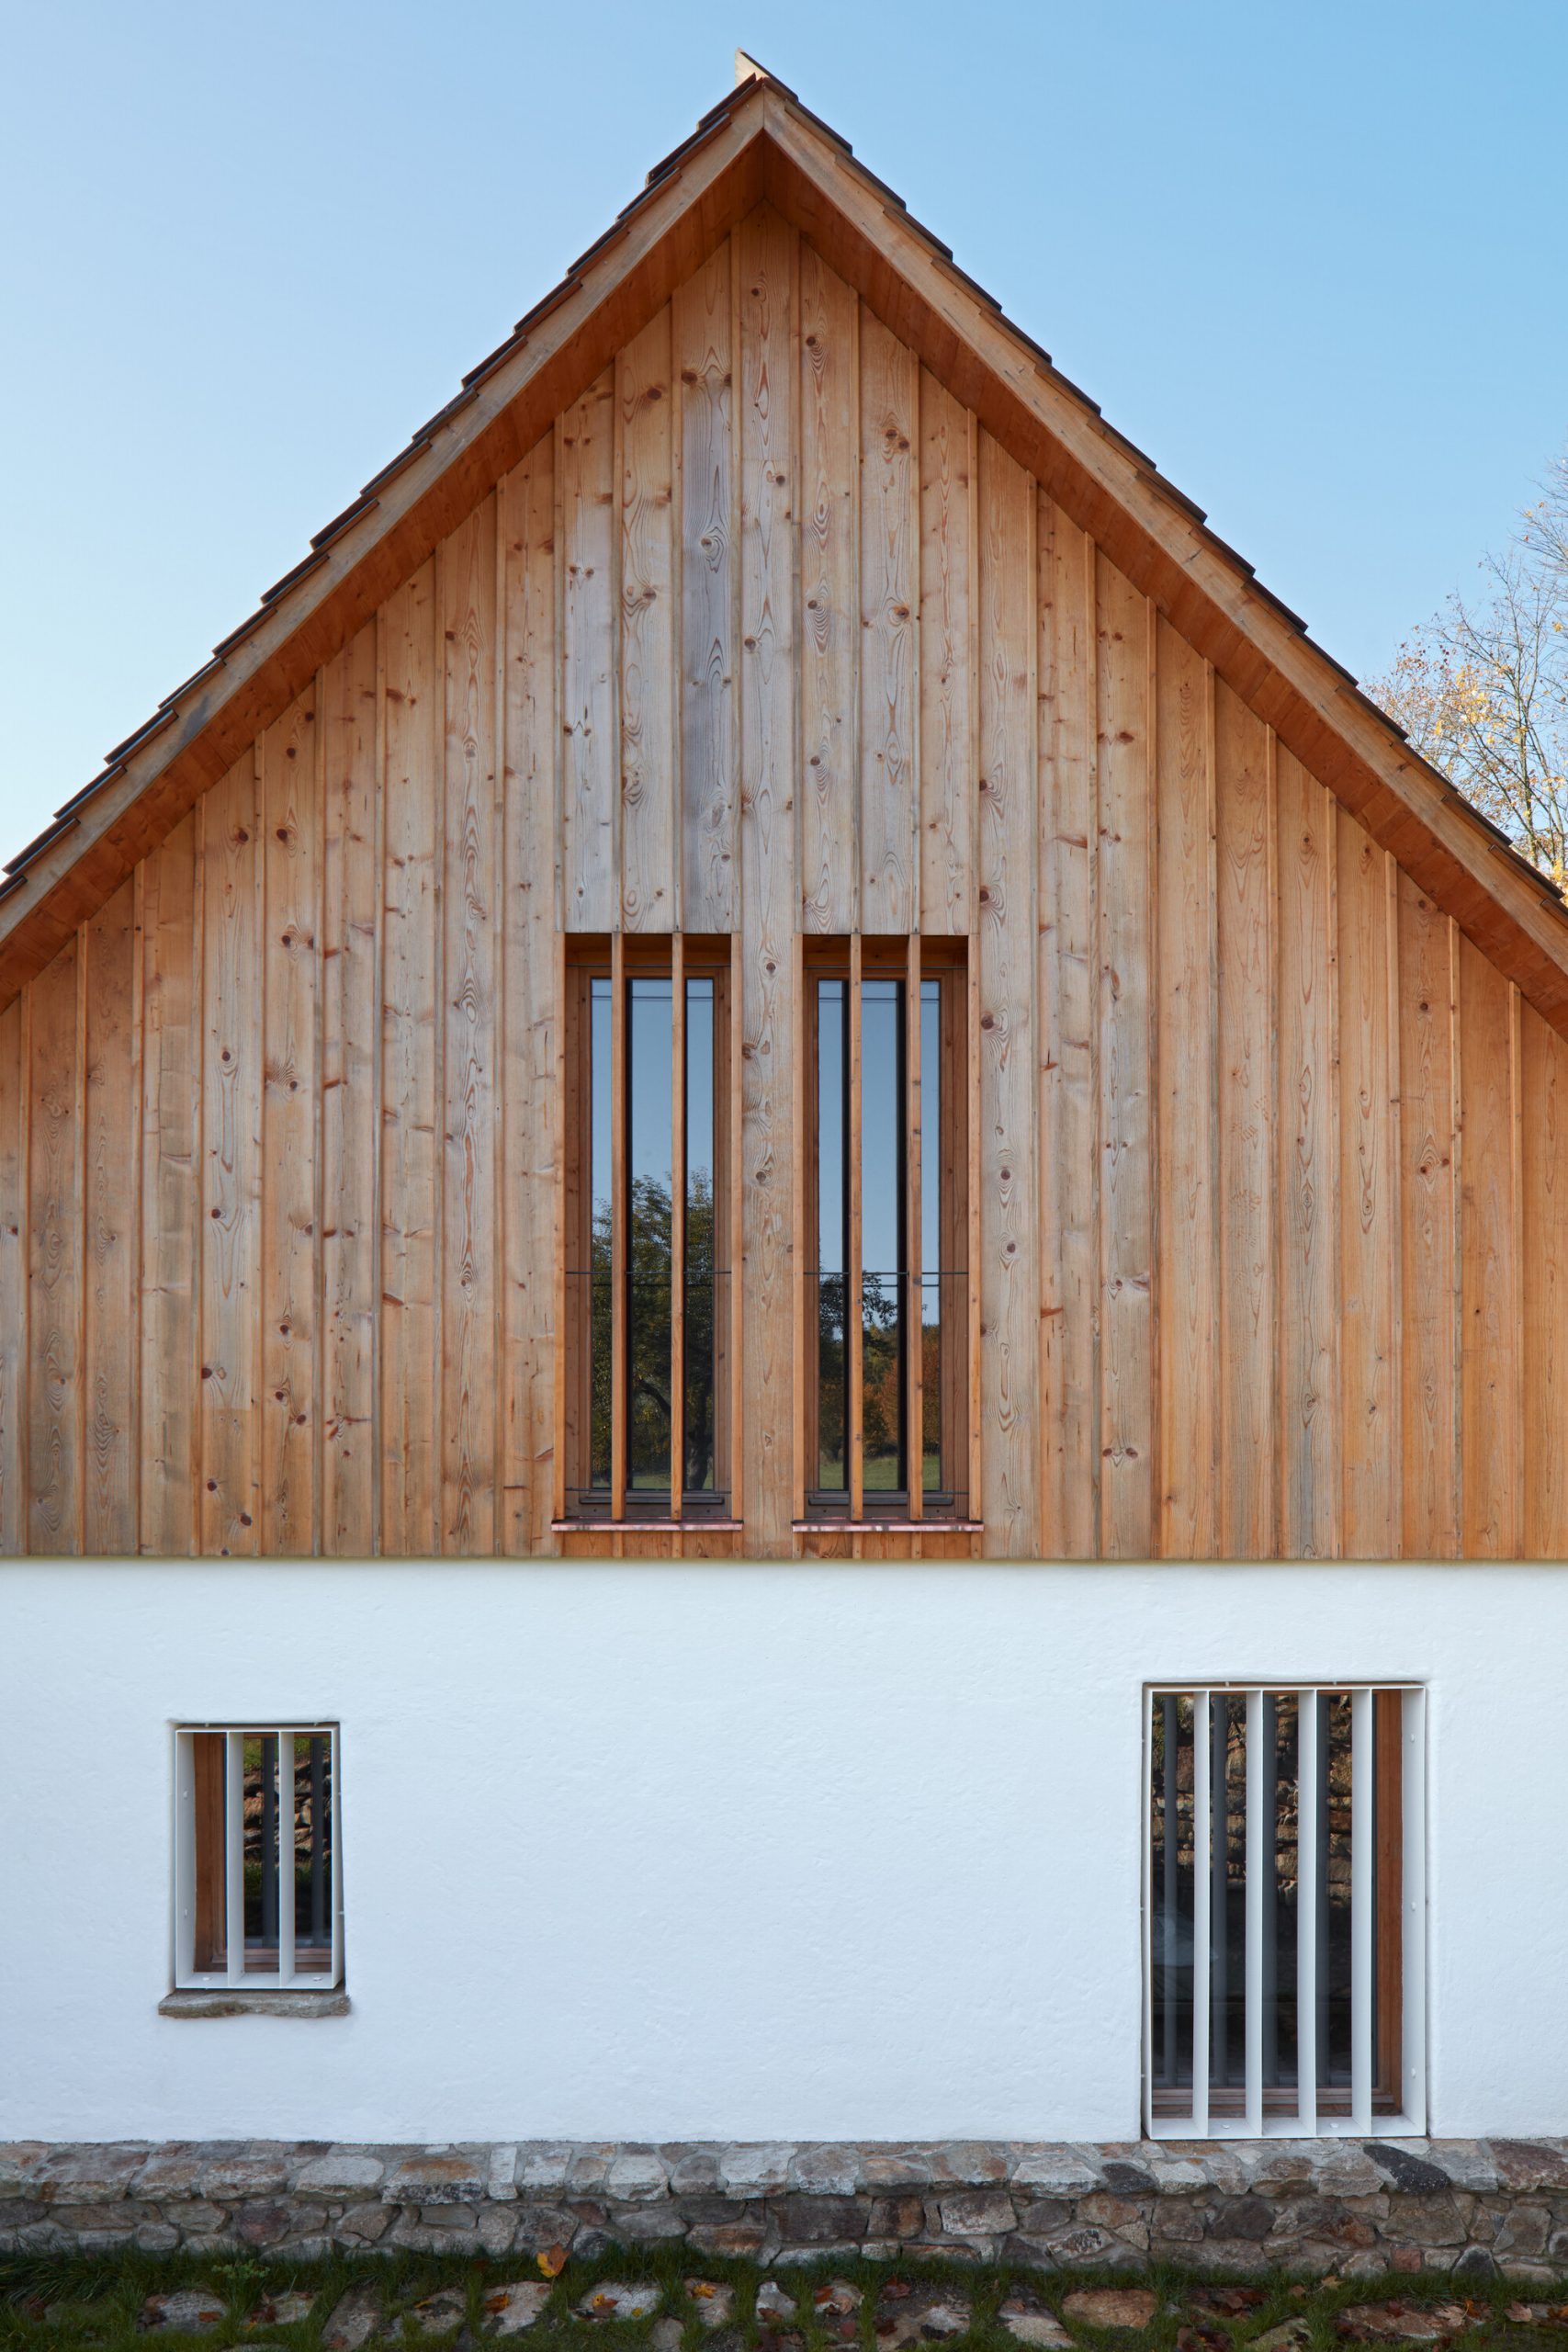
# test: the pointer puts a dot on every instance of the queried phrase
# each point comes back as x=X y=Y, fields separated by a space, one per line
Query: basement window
x=888 y=1332
x=258 y=1884
x=1284 y=1909
x=652 y=1117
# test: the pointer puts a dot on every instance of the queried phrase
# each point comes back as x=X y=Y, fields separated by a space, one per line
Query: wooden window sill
x=646 y=1526
x=828 y=1526
x=255 y=2001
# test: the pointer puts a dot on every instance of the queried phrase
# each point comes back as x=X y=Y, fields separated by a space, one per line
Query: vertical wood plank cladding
x=1244 y=864
x=766 y=256
x=1428 y=1229
x=1069 y=1060
x=1369 y=1240
x=1188 y=1369
x=829 y=631
x=55 y=1277
x=1544 y=1247
x=112 y=1174
x=704 y=357
x=1309 y=1167
x=647 y=631
x=946 y=679
x=1009 y=1300
x=290 y=985
x=1490 y=1404
x=410 y=1005
x=589 y=649
x=350 y=969
x=170 y=1190
x=532 y=1111
x=466 y=572
x=232 y=888
x=1127 y=1071
x=13 y=1275
x=889 y=587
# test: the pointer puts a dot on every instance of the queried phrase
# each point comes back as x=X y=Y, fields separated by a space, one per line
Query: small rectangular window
x=648 y=1343
x=258 y=1895
x=1284 y=1903
x=887 y=1286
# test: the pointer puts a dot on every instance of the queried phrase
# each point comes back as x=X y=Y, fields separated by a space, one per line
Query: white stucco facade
x=659 y=1852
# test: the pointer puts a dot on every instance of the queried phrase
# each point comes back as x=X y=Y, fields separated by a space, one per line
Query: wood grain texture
x=112 y=1177
x=54 y=1267
x=470 y=1045
x=586 y=464
x=1010 y=1291
x=351 y=1071
x=1492 y=1407
x=174 y=961
x=413 y=1001
x=645 y=664
x=889 y=594
x=1127 y=1050
x=1309 y=1167
x=234 y=881
x=13 y=1104
x=1544 y=1249
x=767 y=634
x=946 y=566
x=1187 y=1142
x=531 y=1107
x=767 y=257
x=702 y=357
x=288 y=956
x=1069 y=1033
x=1246 y=913
x=1367 y=1338
x=829 y=614
x=1427 y=1175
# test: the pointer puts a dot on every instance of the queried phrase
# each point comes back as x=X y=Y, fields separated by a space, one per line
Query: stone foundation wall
x=1355 y=2209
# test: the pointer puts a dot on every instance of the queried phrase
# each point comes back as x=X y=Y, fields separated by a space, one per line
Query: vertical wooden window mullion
x=855 y=1316
x=677 y=1225
x=620 y=1383
x=234 y=1853
x=972 y=1184
x=209 y=1845
x=806 y=1252
x=283 y=1744
x=914 y=1304
x=566 y=1307
x=737 y=1232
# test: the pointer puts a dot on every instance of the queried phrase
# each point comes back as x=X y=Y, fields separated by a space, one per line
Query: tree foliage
x=1481 y=690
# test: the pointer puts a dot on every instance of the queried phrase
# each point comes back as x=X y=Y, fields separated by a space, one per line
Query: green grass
x=95 y=2302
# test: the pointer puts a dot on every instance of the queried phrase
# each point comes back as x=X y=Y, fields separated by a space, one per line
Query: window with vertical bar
x=885 y=1309
x=1284 y=1896
x=649 y=1349
x=258 y=1887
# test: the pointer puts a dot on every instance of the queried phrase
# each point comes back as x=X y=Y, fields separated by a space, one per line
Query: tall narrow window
x=258 y=1899
x=648 y=1352
x=1283 y=1909
x=886 y=1294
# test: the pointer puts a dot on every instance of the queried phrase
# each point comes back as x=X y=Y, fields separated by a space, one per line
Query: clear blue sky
x=1311 y=259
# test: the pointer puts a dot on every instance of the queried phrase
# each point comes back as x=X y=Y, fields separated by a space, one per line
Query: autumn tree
x=1481 y=691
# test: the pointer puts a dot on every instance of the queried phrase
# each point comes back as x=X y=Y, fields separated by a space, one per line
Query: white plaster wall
x=662 y=1852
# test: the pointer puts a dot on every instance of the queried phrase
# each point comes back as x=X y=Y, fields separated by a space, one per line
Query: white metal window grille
x=258 y=1877
x=1284 y=1911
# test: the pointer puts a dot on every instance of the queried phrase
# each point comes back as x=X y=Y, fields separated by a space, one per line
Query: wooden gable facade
x=777 y=625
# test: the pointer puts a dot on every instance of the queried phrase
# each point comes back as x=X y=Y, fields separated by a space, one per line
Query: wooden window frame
x=211 y=1949
x=1386 y=2091
x=854 y=958
x=622 y=957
